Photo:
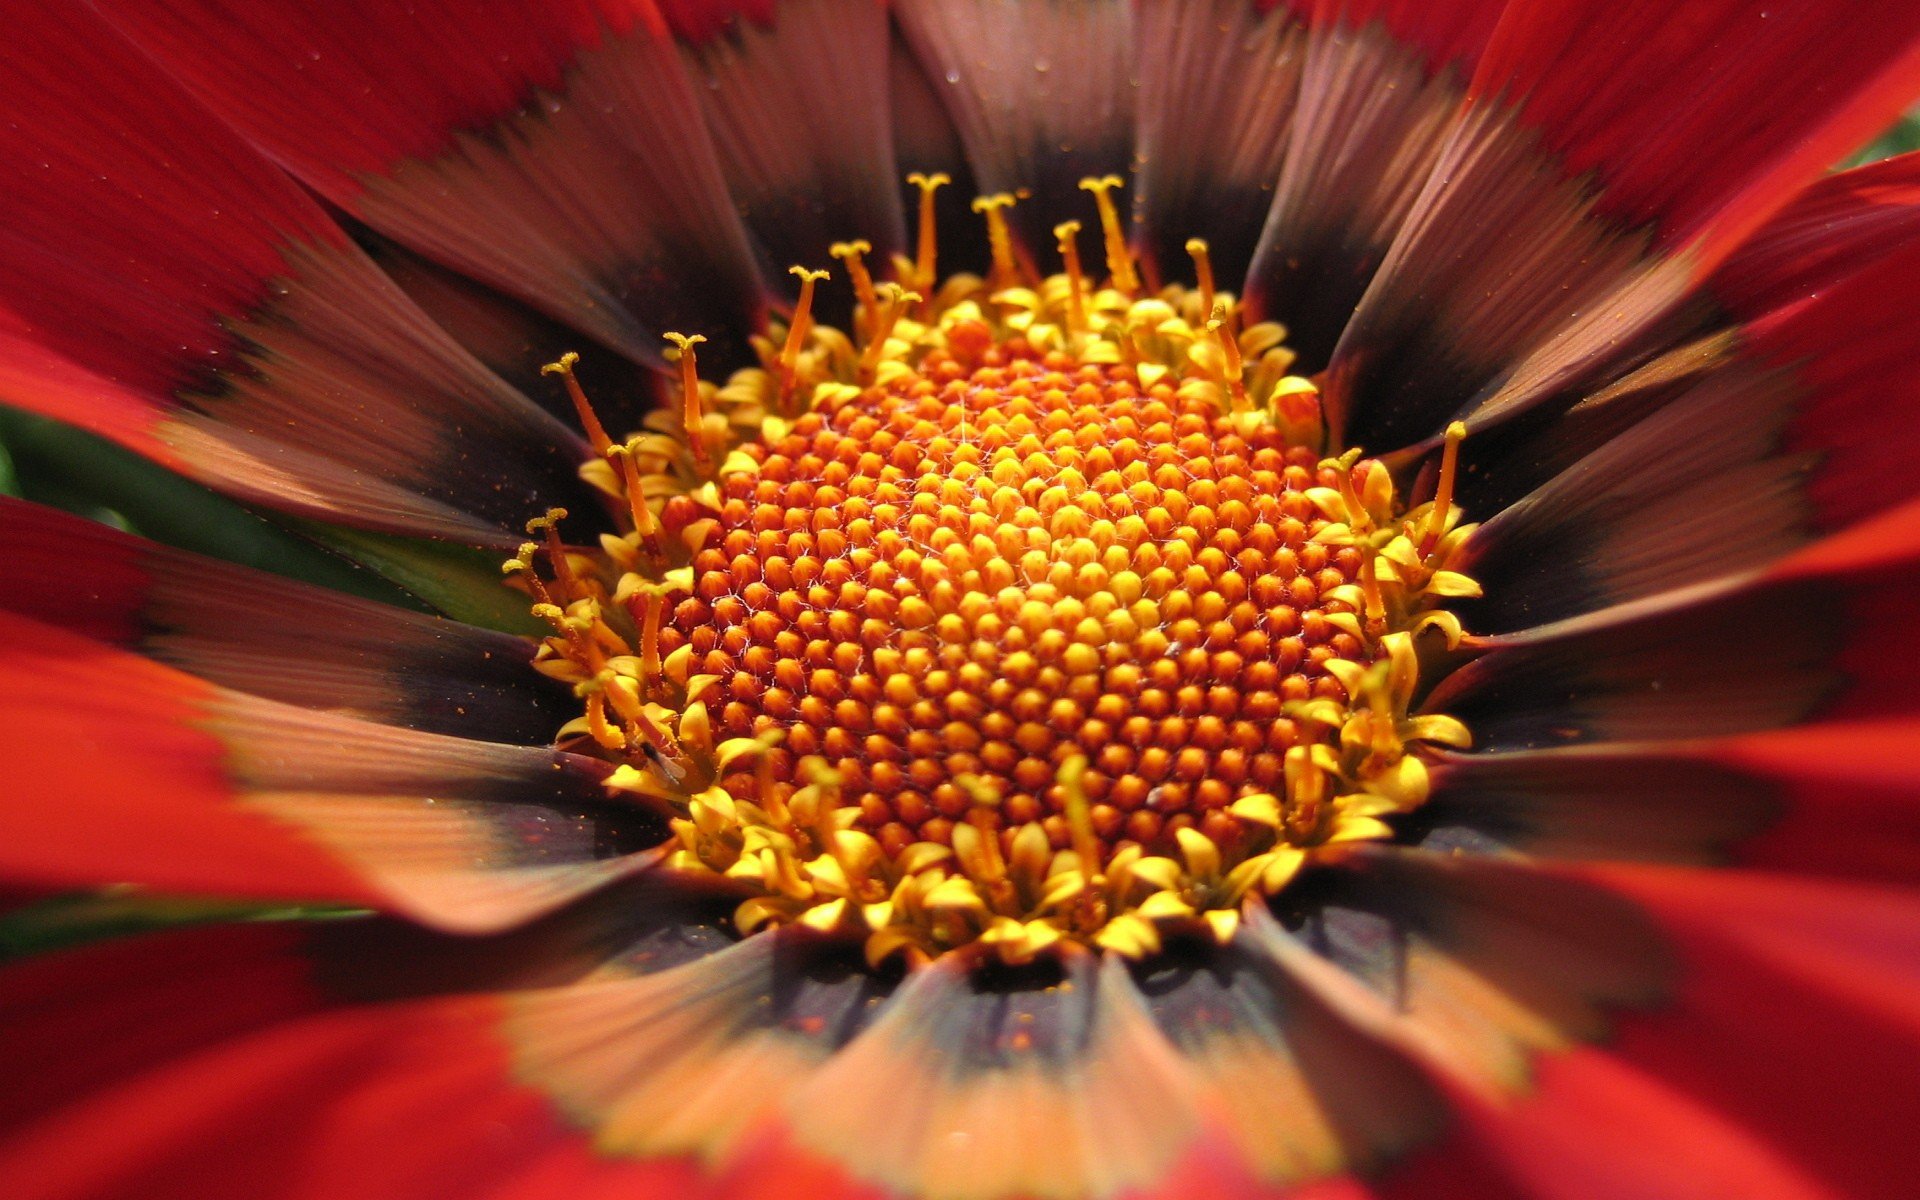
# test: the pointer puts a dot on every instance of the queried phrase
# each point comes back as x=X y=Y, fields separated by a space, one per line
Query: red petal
x=162 y=284
x=1681 y=125
x=1853 y=347
x=1380 y=84
x=137 y=773
x=554 y=151
x=214 y=1065
x=1796 y=1018
x=1827 y=234
x=112 y=781
x=273 y=637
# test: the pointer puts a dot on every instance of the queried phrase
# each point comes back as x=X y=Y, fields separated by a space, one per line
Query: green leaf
x=80 y=917
x=460 y=581
x=69 y=468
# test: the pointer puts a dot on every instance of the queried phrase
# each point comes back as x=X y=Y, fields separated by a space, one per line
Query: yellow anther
x=898 y=300
x=999 y=238
x=1202 y=271
x=692 y=415
x=853 y=254
x=1066 y=232
x=1236 y=369
x=1119 y=260
x=1443 y=492
x=1079 y=813
x=926 y=256
x=797 y=334
x=589 y=422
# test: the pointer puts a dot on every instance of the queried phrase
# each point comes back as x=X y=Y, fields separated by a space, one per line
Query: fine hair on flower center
x=1026 y=613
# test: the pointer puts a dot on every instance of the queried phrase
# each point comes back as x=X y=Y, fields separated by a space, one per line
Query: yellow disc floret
x=1030 y=615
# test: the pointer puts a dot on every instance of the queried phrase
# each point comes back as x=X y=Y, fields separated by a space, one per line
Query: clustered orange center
x=1030 y=614
x=1002 y=560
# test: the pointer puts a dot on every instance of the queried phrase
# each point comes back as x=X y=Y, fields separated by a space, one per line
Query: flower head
x=1320 y=598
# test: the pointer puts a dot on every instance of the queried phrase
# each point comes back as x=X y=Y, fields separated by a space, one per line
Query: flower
x=1390 y=671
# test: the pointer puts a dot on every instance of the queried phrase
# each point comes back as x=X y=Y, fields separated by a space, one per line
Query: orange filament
x=1443 y=492
x=999 y=238
x=1203 y=272
x=926 y=256
x=1067 y=232
x=1235 y=369
x=692 y=415
x=853 y=254
x=797 y=333
x=1119 y=259
x=589 y=421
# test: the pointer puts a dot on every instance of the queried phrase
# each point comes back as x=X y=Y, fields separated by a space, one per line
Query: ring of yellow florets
x=849 y=813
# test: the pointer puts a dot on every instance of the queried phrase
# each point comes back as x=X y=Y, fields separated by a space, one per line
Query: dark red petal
x=799 y=115
x=1796 y=1018
x=1846 y=797
x=1083 y=1090
x=273 y=637
x=1380 y=84
x=1698 y=490
x=130 y=771
x=1040 y=94
x=1217 y=84
x=217 y=1064
x=1691 y=132
x=111 y=781
x=1852 y=347
x=162 y=284
x=1654 y=803
x=554 y=151
x=1332 y=1099
x=1828 y=233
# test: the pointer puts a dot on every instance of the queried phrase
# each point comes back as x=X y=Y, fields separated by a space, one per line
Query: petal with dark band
x=272 y=637
x=136 y=772
x=556 y=152
x=165 y=286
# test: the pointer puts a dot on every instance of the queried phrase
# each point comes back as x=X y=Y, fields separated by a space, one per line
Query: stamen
x=692 y=415
x=898 y=301
x=563 y=576
x=999 y=238
x=1067 y=232
x=926 y=257
x=645 y=524
x=1203 y=272
x=653 y=609
x=797 y=334
x=1079 y=814
x=589 y=422
x=1235 y=367
x=1376 y=607
x=1119 y=260
x=853 y=254
x=1442 y=508
x=599 y=728
x=1095 y=654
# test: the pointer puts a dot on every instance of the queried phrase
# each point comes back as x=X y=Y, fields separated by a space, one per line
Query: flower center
x=1028 y=615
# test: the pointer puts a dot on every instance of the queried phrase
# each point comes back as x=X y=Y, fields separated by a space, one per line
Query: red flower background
x=1656 y=935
